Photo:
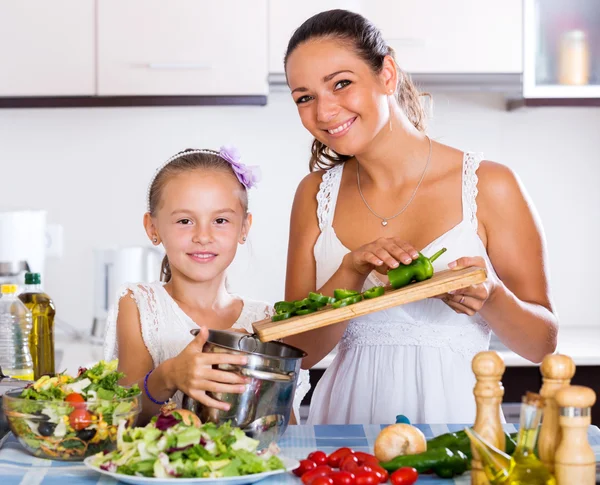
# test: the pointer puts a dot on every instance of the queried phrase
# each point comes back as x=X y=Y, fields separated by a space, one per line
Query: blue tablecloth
x=18 y=467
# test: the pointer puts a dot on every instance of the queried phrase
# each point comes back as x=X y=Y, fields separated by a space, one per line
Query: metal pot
x=263 y=410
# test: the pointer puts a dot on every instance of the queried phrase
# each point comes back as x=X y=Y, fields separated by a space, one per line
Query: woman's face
x=341 y=101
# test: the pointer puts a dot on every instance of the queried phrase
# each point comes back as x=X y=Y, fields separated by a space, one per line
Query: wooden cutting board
x=441 y=282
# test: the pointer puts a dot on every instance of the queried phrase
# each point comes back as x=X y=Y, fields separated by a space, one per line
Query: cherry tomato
x=322 y=481
x=349 y=463
x=319 y=457
x=76 y=400
x=382 y=473
x=404 y=476
x=320 y=471
x=335 y=458
x=305 y=465
x=366 y=458
x=366 y=478
x=80 y=419
x=342 y=478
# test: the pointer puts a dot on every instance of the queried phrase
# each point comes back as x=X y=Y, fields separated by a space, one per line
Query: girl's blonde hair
x=182 y=162
x=366 y=40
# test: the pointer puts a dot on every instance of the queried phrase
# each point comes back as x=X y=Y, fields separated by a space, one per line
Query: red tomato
x=319 y=457
x=305 y=465
x=80 y=419
x=75 y=399
x=322 y=481
x=349 y=463
x=335 y=458
x=366 y=478
x=382 y=473
x=366 y=458
x=342 y=478
x=320 y=471
x=404 y=476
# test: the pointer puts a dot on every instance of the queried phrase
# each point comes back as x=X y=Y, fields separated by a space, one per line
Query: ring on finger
x=462 y=298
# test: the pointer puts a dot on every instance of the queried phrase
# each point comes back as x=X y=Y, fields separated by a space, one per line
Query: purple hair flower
x=248 y=176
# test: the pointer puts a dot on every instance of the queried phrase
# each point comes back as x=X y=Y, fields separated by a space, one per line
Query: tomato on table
x=324 y=480
x=305 y=466
x=404 y=476
x=321 y=471
x=342 y=478
x=335 y=458
x=319 y=457
x=366 y=478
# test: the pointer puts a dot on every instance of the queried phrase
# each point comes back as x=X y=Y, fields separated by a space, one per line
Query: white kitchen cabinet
x=47 y=48
x=458 y=36
x=182 y=47
x=285 y=17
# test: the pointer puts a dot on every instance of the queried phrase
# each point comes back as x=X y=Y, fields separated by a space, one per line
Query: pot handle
x=258 y=374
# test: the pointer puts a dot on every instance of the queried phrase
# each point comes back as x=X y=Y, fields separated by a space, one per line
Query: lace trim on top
x=471 y=163
x=327 y=195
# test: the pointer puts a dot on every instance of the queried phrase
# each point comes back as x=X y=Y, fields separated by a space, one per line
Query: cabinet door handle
x=178 y=66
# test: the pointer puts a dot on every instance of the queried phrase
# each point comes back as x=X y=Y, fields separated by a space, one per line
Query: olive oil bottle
x=523 y=468
x=41 y=338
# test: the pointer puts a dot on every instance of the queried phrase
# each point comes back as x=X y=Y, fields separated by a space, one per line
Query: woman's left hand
x=471 y=299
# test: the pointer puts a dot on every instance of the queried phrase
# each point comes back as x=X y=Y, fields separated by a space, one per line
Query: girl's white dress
x=166 y=328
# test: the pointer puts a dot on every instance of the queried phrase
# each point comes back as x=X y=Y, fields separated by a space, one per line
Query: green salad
x=168 y=447
x=68 y=417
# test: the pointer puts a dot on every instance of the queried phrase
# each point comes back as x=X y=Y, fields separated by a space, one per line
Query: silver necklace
x=384 y=220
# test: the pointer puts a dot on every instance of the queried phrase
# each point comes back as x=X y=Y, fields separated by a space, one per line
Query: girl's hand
x=471 y=299
x=382 y=254
x=193 y=374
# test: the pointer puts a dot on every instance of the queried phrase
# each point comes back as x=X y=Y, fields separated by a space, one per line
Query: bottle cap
x=32 y=279
x=8 y=289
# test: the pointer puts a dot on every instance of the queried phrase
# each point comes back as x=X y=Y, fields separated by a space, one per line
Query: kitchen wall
x=90 y=169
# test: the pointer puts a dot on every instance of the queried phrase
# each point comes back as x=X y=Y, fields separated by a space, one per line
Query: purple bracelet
x=148 y=393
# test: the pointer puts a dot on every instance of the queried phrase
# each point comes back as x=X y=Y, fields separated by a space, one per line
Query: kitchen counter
x=297 y=442
x=581 y=343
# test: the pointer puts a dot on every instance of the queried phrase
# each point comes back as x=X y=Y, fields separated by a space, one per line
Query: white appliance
x=23 y=240
x=115 y=267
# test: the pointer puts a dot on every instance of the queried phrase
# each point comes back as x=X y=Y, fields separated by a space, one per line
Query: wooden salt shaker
x=575 y=462
x=488 y=368
x=557 y=371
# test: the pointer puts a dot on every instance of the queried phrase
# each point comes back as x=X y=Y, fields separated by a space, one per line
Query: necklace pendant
x=384 y=223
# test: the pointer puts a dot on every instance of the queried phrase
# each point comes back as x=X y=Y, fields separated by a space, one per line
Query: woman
x=379 y=190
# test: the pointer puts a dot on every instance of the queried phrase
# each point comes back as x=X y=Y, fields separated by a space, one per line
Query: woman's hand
x=191 y=372
x=471 y=299
x=382 y=254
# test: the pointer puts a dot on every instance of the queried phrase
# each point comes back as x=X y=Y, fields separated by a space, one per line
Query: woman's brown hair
x=205 y=160
x=367 y=41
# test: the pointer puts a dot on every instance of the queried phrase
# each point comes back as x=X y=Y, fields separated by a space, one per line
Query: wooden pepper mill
x=574 y=462
x=488 y=368
x=557 y=371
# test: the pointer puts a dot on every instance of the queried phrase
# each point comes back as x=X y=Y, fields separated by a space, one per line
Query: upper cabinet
x=428 y=36
x=182 y=47
x=562 y=50
x=47 y=48
x=458 y=36
x=285 y=17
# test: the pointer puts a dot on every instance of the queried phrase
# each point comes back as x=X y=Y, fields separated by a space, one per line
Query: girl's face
x=200 y=221
x=340 y=100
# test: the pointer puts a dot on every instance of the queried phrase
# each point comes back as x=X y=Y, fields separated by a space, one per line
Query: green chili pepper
x=460 y=441
x=281 y=316
x=420 y=269
x=444 y=462
x=347 y=301
x=373 y=292
x=340 y=294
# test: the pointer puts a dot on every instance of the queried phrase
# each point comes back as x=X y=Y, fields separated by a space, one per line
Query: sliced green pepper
x=340 y=294
x=347 y=301
x=305 y=311
x=318 y=297
x=420 y=269
x=302 y=303
x=281 y=316
x=284 y=306
x=373 y=292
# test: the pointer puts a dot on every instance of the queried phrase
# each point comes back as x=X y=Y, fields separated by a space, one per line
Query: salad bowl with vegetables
x=70 y=418
x=172 y=446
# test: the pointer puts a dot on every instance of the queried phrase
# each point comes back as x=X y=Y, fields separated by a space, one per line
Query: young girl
x=198 y=211
x=377 y=182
